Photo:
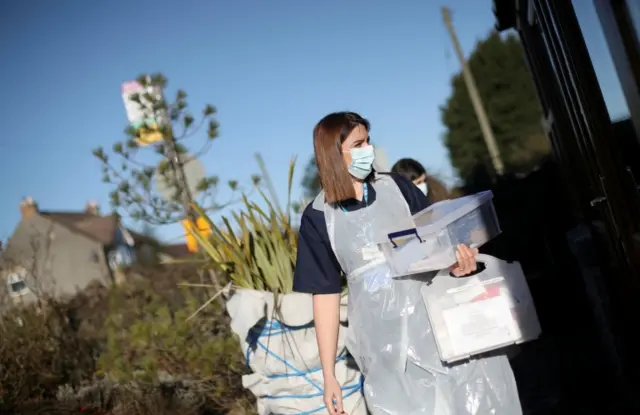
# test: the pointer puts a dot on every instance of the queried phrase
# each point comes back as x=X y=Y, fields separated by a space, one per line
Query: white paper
x=481 y=325
x=474 y=281
x=467 y=292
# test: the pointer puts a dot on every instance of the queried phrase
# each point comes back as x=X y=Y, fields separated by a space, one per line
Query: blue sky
x=272 y=68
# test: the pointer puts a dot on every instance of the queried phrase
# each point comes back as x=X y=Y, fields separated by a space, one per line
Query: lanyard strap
x=365 y=196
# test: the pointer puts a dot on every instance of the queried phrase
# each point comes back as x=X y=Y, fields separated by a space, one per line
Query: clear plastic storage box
x=481 y=313
x=429 y=242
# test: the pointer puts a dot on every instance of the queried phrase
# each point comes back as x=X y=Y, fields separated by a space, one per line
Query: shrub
x=124 y=350
x=255 y=248
x=150 y=340
x=40 y=351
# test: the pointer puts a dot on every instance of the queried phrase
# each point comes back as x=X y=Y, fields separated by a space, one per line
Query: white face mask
x=362 y=162
x=423 y=187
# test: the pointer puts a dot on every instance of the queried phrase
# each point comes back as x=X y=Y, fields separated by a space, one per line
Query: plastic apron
x=389 y=331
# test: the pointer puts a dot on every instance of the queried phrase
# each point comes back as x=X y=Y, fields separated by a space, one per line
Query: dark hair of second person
x=414 y=171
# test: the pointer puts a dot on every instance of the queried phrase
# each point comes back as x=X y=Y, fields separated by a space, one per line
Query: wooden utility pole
x=177 y=164
x=485 y=125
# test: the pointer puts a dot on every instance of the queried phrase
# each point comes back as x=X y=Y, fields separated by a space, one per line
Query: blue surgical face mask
x=361 y=162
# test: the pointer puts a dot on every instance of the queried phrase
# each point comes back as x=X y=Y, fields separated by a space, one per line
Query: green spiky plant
x=255 y=247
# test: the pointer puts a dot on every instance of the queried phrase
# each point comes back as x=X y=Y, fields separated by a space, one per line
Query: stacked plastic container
x=483 y=312
x=469 y=315
x=430 y=245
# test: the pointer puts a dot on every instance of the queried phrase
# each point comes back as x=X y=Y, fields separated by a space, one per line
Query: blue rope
x=274 y=328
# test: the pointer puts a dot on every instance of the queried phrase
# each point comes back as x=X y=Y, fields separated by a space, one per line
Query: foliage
x=107 y=398
x=39 y=352
x=311 y=180
x=150 y=340
x=133 y=179
x=259 y=250
x=507 y=91
x=82 y=356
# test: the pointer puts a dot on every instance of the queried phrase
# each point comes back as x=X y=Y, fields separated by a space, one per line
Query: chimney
x=91 y=208
x=28 y=207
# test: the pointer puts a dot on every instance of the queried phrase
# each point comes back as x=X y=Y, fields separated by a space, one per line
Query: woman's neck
x=358 y=186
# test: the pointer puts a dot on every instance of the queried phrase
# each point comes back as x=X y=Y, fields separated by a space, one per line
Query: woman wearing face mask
x=429 y=185
x=389 y=332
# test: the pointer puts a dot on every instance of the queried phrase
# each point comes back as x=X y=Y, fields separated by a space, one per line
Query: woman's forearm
x=326 y=314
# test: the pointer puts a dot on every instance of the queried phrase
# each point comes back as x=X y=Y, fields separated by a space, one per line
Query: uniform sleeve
x=416 y=200
x=317 y=270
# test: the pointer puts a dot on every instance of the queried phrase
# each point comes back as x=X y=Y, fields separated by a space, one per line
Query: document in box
x=466 y=293
x=479 y=326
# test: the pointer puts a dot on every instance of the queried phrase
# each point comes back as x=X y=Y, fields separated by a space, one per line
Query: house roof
x=99 y=228
x=103 y=230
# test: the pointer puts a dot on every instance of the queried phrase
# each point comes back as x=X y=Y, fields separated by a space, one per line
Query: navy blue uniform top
x=317 y=269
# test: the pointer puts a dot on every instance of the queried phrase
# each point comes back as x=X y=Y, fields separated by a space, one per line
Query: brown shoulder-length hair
x=328 y=136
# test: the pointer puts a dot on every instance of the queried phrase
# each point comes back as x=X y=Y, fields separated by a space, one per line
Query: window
x=634 y=13
x=16 y=285
x=594 y=37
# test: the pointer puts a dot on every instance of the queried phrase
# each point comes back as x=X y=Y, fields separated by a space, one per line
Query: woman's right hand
x=466 y=261
x=333 y=396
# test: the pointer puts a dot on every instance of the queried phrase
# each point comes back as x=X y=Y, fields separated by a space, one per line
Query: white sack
x=294 y=387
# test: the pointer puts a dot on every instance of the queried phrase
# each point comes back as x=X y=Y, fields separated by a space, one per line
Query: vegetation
x=122 y=350
x=150 y=339
x=134 y=193
x=255 y=248
x=506 y=88
x=38 y=353
x=135 y=348
x=311 y=181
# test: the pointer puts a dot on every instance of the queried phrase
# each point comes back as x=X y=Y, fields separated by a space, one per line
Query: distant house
x=57 y=253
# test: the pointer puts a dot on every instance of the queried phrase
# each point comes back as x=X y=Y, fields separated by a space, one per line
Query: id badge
x=371 y=253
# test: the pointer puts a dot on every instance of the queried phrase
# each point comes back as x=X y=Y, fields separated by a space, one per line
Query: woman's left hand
x=466 y=261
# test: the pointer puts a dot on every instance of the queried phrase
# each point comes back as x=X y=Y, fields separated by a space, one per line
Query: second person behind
x=433 y=188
